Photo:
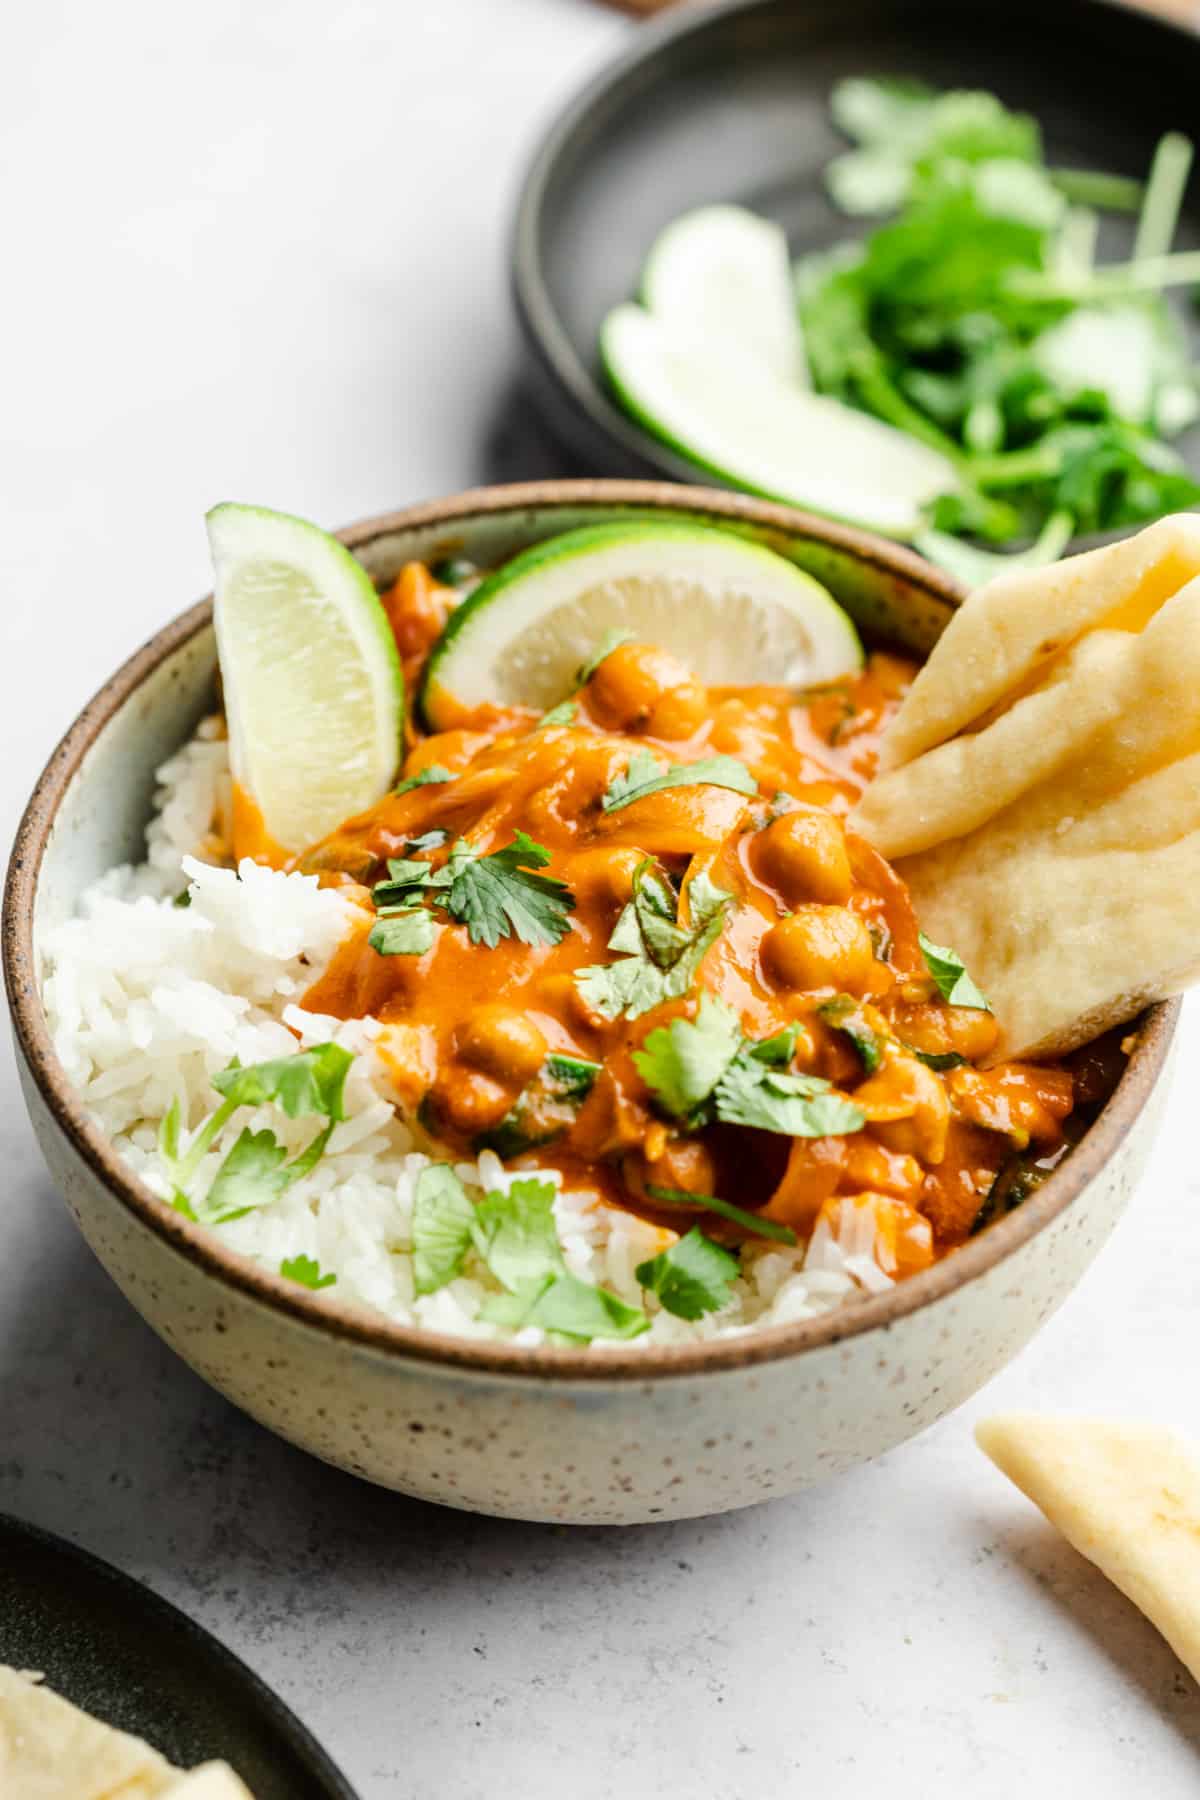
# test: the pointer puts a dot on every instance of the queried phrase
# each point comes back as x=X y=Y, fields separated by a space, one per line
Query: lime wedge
x=730 y=610
x=314 y=695
x=723 y=410
x=724 y=274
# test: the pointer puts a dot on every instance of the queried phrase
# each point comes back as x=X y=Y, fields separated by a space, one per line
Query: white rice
x=147 y=1001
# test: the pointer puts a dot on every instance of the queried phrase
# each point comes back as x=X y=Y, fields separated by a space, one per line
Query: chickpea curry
x=633 y=940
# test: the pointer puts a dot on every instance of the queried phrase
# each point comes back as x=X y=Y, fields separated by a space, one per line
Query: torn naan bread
x=50 y=1750
x=1126 y=1496
x=1040 y=789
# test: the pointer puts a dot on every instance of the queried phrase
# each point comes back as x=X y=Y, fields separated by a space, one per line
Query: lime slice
x=724 y=274
x=720 y=408
x=314 y=695
x=731 y=611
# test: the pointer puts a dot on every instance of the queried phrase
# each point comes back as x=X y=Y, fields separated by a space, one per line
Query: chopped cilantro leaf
x=404 y=931
x=779 y=1050
x=312 y=1081
x=692 y=1277
x=645 y=775
x=612 y=640
x=562 y=714
x=682 y=1062
x=570 y=1307
x=845 y=1015
x=516 y=1236
x=183 y=897
x=953 y=982
x=307 y=1271
x=781 y=1234
x=254 y=1173
x=935 y=1059
x=443 y=1221
x=497 y=896
x=407 y=876
x=661 y=956
x=766 y=1099
x=423 y=778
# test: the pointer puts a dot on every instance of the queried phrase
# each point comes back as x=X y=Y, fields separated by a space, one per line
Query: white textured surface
x=258 y=250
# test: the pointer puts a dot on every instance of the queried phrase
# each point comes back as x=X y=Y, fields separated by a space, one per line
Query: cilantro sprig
x=646 y=775
x=953 y=982
x=659 y=956
x=496 y=896
x=255 y=1171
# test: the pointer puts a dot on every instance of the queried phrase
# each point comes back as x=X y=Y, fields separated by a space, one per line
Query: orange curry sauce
x=817 y=914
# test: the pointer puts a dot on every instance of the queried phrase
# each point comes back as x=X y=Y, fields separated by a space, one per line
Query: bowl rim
x=568 y=387
x=1154 y=1031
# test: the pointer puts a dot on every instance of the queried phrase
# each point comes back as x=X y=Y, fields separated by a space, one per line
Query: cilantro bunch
x=977 y=319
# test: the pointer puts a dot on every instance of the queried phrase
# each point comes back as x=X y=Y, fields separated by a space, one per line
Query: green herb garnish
x=612 y=640
x=545 y=1108
x=404 y=931
x=660 y=957
x=495 y=897
x=752 y=1093
x=442 y=1222
x=845 y=1015
x=780 y=1234
x=307 y=1271
x=692 y=1278
x=953 y=982
x=646 y=775
x=434 y=773
x=681 y=1063
x=975 y=319
x=514 y=1233
x=562 y=714
x=567 y=1306
x=498 y=896
x=255 y=1171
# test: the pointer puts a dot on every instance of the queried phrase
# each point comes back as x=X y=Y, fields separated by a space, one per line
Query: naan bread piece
x=50 y=1750
x=1126 y=1496
x=1041 y=794
x=213 y=1781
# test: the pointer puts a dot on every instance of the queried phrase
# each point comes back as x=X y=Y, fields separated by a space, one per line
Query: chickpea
x=604 y=877
x=503 y=1042
x=684 y=1163
x=467 y=1101
x=640 y=688
x=803 y=854
x=820 y=947
x=908 y=1109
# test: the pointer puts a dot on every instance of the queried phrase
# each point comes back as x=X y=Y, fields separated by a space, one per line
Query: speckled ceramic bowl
x=621 y=1435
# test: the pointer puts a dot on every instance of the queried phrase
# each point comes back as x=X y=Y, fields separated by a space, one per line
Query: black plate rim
x=577 y=405
x=135 y=1593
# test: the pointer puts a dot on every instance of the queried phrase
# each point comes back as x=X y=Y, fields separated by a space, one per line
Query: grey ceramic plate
x=731 y=102
x=114 y=1648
